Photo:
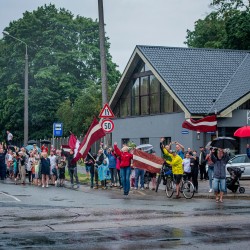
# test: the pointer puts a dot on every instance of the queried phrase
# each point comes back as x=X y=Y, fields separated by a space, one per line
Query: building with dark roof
x=163 y=86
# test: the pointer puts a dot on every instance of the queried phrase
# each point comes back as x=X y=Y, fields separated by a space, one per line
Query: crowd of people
x=114 y=167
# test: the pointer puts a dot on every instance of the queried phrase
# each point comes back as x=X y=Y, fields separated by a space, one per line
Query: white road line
x=11 y=196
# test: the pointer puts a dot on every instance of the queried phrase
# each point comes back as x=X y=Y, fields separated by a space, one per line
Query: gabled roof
x=200 y=80
x=199 y=76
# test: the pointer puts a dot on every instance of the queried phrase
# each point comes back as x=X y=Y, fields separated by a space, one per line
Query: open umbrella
x=145 y=147
x=12 y=147
x=224 y=142
x=45 y=142
x=31 y=147
x=243 y=132
x=31 y=142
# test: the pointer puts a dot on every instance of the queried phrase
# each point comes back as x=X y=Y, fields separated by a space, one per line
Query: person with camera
x=219 y=182
x=248 y=150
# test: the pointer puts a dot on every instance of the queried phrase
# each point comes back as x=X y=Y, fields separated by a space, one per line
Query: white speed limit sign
x=108 y=125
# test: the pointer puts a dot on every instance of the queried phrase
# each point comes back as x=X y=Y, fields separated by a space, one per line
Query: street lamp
x=26 y=109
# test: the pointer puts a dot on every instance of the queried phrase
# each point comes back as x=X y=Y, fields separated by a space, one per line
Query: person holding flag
x=125 y=167
x=72 y=167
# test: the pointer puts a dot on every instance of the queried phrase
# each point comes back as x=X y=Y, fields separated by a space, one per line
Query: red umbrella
x=243 y=132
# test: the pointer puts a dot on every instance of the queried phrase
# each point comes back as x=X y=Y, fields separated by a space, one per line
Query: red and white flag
x=74 y=143
x=94 y=133
x=206 y=124
x=146 y=161
x=66 y=148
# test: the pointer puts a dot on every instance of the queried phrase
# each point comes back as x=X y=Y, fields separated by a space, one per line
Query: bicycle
x=164 y=175
x=186 y=188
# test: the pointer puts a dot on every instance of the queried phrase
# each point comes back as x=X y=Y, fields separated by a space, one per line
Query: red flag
x=206 y=124
x=94 y=133
x=146 y=161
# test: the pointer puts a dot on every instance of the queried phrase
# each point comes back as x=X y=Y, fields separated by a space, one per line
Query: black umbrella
x=31 y=142
x=224 y=142
x=45 y=142
x=12 y=147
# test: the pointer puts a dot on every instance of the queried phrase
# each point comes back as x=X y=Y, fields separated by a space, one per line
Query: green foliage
x=208 y=33
x=64 y=72
x=228 y=27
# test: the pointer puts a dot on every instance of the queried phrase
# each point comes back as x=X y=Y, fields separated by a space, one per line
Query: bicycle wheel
x=188 y=189
x=169 y=188
x=158 y=182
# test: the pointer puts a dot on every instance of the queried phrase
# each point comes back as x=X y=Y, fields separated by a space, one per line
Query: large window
x=135 y=97
x=154 y=97
x=125 y=103
x=144 y=95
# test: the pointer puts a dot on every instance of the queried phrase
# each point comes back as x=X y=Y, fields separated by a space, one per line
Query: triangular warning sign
x=106 y=112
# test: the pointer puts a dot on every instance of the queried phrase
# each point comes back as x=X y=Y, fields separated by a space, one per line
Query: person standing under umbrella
x=248 y=150
x=202 y=164
x=219 y=182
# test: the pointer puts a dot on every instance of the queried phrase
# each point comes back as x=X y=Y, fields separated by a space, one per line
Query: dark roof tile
x=203 y=74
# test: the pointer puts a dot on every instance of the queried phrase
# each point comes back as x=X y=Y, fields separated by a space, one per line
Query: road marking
x=11 y=196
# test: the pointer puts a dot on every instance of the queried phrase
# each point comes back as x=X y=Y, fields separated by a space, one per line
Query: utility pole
x=103 y=61
x=103 y=54
x=26 y=93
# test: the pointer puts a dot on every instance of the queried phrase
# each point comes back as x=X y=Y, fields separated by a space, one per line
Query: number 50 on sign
x=108 y=125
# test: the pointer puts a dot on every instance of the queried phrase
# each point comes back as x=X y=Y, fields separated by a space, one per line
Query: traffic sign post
x=106 y=112
x=57 y=131
x=108 y=125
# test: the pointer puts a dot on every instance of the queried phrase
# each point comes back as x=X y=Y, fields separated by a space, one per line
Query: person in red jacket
x=125 y=167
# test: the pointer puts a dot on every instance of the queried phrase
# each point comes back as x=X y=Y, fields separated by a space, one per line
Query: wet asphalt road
x=61 y=218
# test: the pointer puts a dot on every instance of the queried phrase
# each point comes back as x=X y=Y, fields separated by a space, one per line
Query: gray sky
x=128 y=22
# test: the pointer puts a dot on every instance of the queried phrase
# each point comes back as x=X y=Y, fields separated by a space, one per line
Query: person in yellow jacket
x=177 y=168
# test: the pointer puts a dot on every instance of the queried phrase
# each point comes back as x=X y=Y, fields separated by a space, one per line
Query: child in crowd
x=36 y=173
x=103 y=173
x=60 y=165
x=15 y=167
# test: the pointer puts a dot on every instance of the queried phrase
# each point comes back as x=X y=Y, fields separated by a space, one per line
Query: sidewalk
x=202 y=192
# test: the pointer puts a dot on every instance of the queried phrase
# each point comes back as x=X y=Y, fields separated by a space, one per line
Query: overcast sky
x=128 y=22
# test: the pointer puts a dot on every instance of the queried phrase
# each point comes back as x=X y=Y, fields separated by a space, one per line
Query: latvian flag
x=146 y=161
x=94 y=133
x=206 y=124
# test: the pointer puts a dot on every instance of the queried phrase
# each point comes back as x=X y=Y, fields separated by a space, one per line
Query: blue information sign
x=185 y=132
x=58 y=129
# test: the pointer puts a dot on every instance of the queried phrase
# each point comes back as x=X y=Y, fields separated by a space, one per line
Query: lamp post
x=26 y=109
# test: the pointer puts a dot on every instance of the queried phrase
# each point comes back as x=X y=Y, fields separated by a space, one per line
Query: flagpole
x=217 y=132
x=91 y=156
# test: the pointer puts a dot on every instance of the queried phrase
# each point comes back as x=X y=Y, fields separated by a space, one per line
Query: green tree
x=227 y=27
x=208 y=33
x=64 y=62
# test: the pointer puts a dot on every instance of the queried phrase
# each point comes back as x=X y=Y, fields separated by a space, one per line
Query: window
x=125 y=103
x=144 y=95
x=135 y=97
x=239 y=159
x=154 y=97
x=144 y=141
x=124 y=141
x=166 y=141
